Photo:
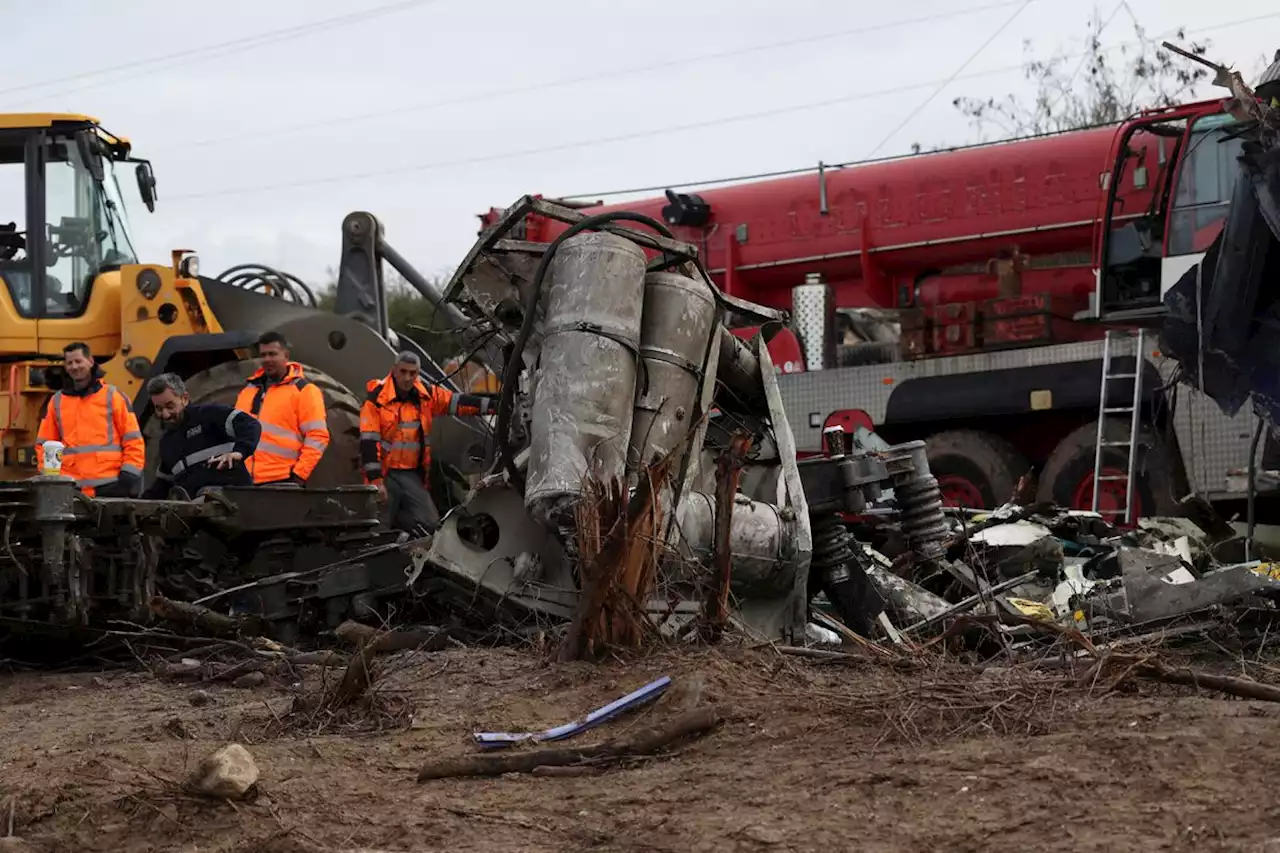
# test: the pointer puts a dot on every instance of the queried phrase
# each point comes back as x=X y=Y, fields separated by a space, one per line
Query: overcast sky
x=274 y=125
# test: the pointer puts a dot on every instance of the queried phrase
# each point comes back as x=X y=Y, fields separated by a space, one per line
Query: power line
x=569 y=146
x=642 y=134
x=945 y=83
x=593 y=77
x=219 y=49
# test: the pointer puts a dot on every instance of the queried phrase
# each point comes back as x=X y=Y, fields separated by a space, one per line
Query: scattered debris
x=631 y=701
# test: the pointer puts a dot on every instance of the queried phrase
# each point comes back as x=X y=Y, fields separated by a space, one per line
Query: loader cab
x=1164 y=201
x=62 y=212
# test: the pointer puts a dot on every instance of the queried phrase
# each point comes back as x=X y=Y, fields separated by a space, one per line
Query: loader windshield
x=85 y=227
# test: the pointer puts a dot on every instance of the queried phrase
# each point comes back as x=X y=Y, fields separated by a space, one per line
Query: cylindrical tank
x=679 y=315
x=760 y=540
x=738 y=368
x=814 y=311
x=585 y=392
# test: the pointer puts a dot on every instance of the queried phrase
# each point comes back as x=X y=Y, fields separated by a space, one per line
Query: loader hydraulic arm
x=361 y=290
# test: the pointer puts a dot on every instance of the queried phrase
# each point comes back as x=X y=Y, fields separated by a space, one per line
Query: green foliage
x=1104 y=86
x=410 y=315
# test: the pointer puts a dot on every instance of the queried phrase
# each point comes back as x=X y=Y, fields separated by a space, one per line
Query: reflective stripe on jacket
x=395 y=429
x=295 y=432
x=99 y=432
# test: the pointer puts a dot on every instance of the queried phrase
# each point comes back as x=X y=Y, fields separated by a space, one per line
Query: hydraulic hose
x=260 y=278
x=511 y=372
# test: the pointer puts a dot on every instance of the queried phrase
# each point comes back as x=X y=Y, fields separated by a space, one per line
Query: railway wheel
x=340 y=465
x=1067 y=477
x=978 y=470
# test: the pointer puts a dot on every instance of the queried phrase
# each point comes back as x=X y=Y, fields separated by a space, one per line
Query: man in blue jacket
x=203 y=445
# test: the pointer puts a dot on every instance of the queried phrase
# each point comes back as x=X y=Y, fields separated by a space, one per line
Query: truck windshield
x=1206 y=180
x=86 y=227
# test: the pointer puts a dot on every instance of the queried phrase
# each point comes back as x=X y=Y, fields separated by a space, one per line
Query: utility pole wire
x=945 y=83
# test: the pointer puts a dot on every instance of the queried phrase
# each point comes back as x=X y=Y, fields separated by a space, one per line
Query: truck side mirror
x=146 y=185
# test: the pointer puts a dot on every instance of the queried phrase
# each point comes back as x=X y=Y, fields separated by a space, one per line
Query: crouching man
x=202 y=445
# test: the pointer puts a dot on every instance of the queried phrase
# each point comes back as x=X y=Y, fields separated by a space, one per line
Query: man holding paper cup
x=102 y=447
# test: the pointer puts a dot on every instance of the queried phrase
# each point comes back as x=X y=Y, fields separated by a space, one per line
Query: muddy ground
x=811 y=756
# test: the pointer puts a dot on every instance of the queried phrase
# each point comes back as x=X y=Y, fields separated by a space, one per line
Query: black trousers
x=409 y=504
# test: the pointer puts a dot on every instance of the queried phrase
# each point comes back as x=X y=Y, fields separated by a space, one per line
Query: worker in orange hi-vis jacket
x=290 y=407
x=102 y=445
x=395 y=439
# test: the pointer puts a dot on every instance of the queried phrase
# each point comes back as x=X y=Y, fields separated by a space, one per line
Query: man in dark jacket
x=202 y=445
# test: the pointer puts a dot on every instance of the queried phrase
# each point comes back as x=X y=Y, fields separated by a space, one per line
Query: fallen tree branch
x=693 y=723
x=1232 y=686
x=420 y=639
x=209 y=621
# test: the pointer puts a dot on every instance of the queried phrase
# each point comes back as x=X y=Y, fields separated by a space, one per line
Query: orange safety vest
x=295 y=431
x=395 y=434
x=100 y=433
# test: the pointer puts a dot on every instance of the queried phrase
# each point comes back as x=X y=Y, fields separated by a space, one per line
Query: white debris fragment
x=816 y=635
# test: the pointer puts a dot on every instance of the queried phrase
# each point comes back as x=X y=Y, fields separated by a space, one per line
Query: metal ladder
x=1134 y=410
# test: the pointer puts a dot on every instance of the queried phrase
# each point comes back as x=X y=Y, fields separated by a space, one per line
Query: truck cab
x=1183 y=162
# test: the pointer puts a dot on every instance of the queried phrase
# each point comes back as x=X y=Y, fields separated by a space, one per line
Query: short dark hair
x=274 y=338
x=77 y=345
x=166 y=382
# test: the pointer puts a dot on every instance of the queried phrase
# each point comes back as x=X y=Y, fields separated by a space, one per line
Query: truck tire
x=978 y=470
x=1067 y=477
x=340 y=465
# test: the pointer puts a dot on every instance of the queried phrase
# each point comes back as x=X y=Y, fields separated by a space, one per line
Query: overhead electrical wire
x=947 y=82
x=640 y=134
x=596 y=76
x=213 y=51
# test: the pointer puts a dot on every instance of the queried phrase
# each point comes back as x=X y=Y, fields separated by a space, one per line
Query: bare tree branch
x=1105 y=86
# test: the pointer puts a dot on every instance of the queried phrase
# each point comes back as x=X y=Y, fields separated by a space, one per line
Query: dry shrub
x=350 y=704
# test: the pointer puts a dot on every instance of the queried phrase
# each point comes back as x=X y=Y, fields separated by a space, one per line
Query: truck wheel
x=340 y=465
x=1067 y=477
x=978 y=470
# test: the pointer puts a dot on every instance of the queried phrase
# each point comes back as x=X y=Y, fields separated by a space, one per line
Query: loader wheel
x=977 y=470
x=1067 y=477
x=222 y=383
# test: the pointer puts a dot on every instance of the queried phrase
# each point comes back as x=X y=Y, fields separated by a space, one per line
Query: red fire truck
x=1001 y=267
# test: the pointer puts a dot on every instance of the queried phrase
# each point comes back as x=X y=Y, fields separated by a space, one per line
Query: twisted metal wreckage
x=620 y=376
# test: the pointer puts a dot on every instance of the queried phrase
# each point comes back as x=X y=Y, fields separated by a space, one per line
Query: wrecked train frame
x=71 y=560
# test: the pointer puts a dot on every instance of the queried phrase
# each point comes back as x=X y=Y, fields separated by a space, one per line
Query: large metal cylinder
x=738 y=368
x=585 y=392
x=761 y=542
x=679 y=315
x=814 y=311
